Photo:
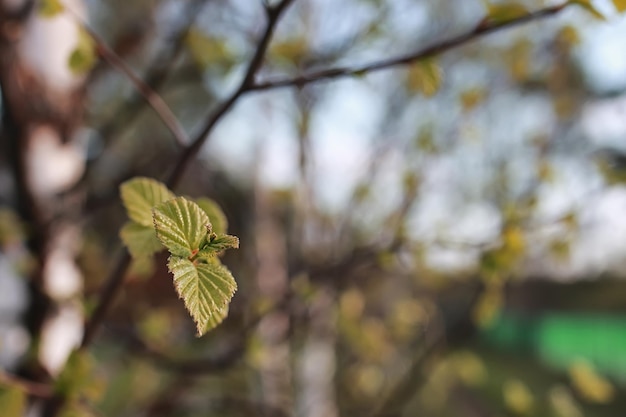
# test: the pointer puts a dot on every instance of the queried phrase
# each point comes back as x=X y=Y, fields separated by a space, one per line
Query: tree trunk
x=41 y=102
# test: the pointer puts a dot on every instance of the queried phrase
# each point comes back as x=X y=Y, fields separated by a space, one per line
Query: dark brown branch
x=112 y=286
x=483 y=28
x=31 y=388
x=156 y=75
x=152 y=98
x=273 y=15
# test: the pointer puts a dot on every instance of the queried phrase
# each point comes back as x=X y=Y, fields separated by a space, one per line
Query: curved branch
x=485 y=27
x=273 y=16
x=35 y=389
x=152 y=98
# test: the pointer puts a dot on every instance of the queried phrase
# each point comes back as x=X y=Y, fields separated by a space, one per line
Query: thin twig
x=112 y=286
x=152 y=98
x=35 y=389
x=156 y=74
x=273 y=15
x=484 y=28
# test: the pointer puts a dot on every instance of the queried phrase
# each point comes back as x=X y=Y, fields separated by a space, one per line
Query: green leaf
x=50 y=8
x=140 y=195
x=76 y=375
x=517 y=397
x=209 y=51
x=589 y=7
x=216 y=215
x=77 y=409
x=425 y=77
x=620 y=5
x=84 y=56
x=206 y=290
x=292 y=50
x=181 y=226
x=12 y=401
x=500 y=13
x=216 y=319
x=140 y=240
x=217 y=244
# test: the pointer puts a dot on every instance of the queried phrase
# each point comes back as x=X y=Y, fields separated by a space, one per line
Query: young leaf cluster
x=194 y=234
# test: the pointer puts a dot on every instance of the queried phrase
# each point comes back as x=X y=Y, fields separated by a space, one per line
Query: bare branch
x=152 y=98
x=109 y=291
x=485 y=27
x=273 y=16
x=32 y=388
x=157 y=73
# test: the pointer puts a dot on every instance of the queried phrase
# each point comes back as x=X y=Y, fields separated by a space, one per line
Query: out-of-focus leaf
x=140 y=240
x=589 y=384
x=620 y=5
x=50 y=8
x=589 y=7
x=77 y=409
x=469 y=368
x=563 y=402
x=140 y=195
x=424 y=77
x=517 y=397
x=292 y=50
x=425 y=141
x=155 y=327
x=208 y=51
x=545 y=172
x=11 y=227
x=519 y=59
x=514 y=240
x=560 y=249
x=568 y=35
x=12 y=401
x=570 y=220
x=218 y=219
x=84 y=55
x=503 y=12
x=142 y=267
x=488 y=306
x=77 y=378
x=472 y=98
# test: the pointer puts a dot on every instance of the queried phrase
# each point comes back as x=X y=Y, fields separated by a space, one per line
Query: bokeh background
x=444 y=238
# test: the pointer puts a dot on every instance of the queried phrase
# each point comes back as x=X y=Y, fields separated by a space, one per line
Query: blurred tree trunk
x=316 y=370
x=272 y=281
x=42 y=102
